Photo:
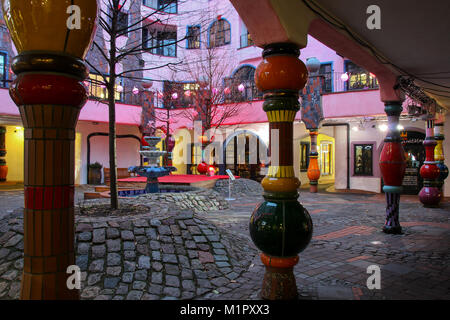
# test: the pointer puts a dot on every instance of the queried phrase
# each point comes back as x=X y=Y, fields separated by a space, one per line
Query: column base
x=279 y=284
x=51 y=286
x=279 y=280
x=313 y=188
x=392 y=230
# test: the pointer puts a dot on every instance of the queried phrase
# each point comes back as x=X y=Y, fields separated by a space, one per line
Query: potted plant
x=95 y=173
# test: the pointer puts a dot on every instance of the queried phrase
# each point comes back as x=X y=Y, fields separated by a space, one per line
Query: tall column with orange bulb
x=280 y=226
x=50 y=94
x=313 y=168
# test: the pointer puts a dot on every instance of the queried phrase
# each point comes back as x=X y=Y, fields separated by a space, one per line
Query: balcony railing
x=343 y=82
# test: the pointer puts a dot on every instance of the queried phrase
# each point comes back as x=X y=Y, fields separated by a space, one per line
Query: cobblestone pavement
x=174 y=253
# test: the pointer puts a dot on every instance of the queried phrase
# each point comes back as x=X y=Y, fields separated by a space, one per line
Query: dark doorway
x=415 y=156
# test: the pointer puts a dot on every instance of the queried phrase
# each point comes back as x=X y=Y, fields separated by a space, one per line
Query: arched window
x=219 y=33
x=242 y=85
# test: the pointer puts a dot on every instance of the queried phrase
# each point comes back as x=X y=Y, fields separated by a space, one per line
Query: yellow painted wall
x=77 y=158
x=14 y=155
x=323 y=137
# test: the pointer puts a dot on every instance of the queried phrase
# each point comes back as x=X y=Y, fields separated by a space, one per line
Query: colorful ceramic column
x=392 y=166
x=3 y=166
x=50 y=94
x=313 y=168
x=430 y=196
x=280 y=227
x=312 y=115
x=439 y=155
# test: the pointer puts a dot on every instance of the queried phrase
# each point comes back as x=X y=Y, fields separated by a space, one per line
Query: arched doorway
x=238 y=159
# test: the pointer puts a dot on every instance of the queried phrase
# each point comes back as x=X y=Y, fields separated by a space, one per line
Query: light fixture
x=227 y=90
x=344 y=77
x=241 y=87
x=119 y=88
x=135 y=90
x=215 y=90
x=174 y=95
x=355 y=128
x=187 y=93
x=383 y=127
x=400 y=127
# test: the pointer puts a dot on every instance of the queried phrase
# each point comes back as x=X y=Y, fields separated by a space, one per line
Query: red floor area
x=177 y=178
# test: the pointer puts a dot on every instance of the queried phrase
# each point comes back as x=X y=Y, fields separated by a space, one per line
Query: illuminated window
x=363 y=159
x=326 y=158
x=193 y=37
x=97 y=89
x=304 y=156
x=219 y=33
x=359 y=78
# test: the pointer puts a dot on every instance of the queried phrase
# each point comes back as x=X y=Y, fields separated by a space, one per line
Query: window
x=363 y=159
x=326 y=158
x=359 y=78
x=246 y=39
x=122 y=21
x=242 y=86
x=97 y=90
x=168 y=6
x=179 y=94
x=160 y=40
x=327 y=72
x=219 y=33
x=3 y=70
x=193 y=37
x=304 y=156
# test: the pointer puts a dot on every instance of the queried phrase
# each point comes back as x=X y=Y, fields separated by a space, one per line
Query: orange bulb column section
x=313 y=168
x=280 y=226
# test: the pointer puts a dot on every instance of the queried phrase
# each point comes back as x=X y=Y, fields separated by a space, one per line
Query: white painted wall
x=127 y=149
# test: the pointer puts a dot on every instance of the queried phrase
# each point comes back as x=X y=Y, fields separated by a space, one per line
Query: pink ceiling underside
x=347 y=47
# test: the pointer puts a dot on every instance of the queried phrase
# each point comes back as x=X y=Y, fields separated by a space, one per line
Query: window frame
x=224 y=31
x=331 y=73
x=188 y=39
x=4 y=79
x=304 y=157
x=370 y=83
x=158 y=6
x=365 y=173
x=157 y=48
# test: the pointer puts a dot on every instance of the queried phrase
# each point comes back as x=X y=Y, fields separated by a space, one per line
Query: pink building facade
x=350 y=139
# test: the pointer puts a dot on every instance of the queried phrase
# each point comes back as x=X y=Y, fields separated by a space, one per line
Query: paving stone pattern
x=174 y=253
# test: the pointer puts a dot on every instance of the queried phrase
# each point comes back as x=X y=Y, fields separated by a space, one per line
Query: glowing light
x=372 y=75
x=383 y=127
x=174 y=95
x=215 y=90
x=119 y=89
x=400 y=127
x=102 y=86
x=135 y=90
x=241 y=87
x=187 y=93
x=86 y=83
x=227 y=90
x=355 y=129
x=344 y=77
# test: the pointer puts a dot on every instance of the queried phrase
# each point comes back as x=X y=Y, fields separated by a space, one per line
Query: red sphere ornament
x=202 y=168
x=211 y=170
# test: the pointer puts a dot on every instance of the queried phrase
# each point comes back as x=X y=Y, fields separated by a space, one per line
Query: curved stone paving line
x=152 y=256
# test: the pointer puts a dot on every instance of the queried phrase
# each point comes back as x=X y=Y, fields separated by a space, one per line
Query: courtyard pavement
x=171 y=253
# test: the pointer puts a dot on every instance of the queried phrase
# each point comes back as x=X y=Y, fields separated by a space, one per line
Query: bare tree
x=112 y=61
